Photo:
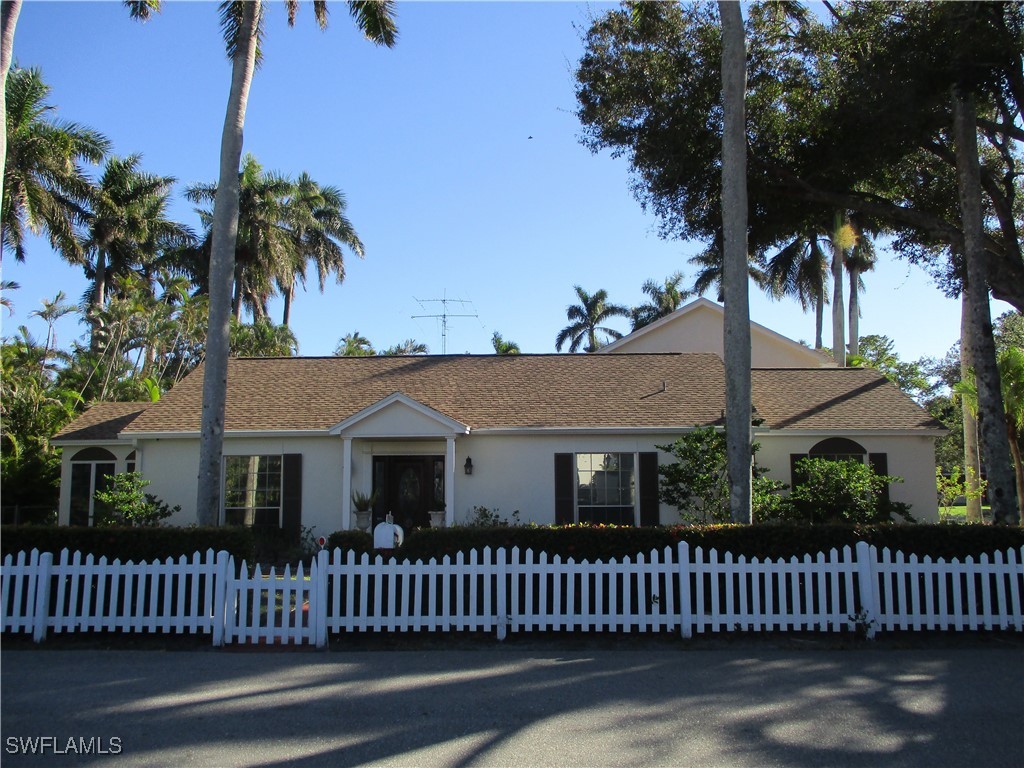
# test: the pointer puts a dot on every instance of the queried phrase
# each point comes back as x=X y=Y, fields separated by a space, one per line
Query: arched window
x=130 y=459
x=91 y=470
x=838 y=449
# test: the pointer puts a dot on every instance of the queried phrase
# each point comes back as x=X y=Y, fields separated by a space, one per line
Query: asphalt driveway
x=514 y=707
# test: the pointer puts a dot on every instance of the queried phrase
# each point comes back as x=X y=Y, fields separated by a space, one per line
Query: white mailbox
x=387 y=535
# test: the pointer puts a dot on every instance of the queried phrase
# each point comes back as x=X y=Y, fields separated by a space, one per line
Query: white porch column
x=449 y=482
x=346 y=483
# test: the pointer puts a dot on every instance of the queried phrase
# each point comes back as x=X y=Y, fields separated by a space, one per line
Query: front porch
x=405 y=453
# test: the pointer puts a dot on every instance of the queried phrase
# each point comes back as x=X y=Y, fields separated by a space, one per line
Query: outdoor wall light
x=469 y=466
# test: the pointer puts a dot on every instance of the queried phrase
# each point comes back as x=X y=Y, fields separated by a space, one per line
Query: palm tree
x=52 y=311
x=843 y=238
x=128 y=224
x=5 y=301
x=860 y=259
x=502 y=347
x=665 y=299
x=585 y=321
x=264 y=246
x=709 y=274
x=262 y=339
x=240 y=22
x=44 y=187
x=9 y=12
x=799 y=270
x=407 y=347
x=319 y=228
x=354 y=345
x=735 y=264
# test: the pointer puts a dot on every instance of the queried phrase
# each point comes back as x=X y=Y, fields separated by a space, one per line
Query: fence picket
x=512 y=591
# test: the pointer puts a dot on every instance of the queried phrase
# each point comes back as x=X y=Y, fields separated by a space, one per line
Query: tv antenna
x=445 y=314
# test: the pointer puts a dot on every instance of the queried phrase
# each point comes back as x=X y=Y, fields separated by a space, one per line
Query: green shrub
x=127 y=503
x=135 y=543
x=483 y=517
x=774 y=540
x=843 y=491
x=358 y=541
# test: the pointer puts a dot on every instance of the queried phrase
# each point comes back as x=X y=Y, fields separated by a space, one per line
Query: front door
x=408 y=487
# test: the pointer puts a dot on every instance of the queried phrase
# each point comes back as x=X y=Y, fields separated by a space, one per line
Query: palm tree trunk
x=995 y=449
x=972 y=459
x=734 y=262
x=8 y=21
x=819 y=316
x=236 y=297
x=838 y=312
x=100 y=298
x=224 y=233
x=854 y=321
x=286 y=318
x=1018 y=465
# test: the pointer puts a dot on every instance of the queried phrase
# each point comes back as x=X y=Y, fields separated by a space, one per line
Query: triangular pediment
x=399 y=415
x=698 y=327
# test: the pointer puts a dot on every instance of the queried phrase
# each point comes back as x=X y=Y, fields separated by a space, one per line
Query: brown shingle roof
x=481 y=391
x=516 y=391
x=834 y=399
x=102 y=421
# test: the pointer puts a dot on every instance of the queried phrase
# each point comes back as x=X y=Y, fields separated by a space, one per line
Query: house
x=559 y=438
x=699 y=327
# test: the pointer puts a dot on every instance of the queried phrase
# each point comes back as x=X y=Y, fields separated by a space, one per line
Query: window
x=92 y=469
x=605 y=488
x=252 y=490
x=617 y=488
x=840 y=449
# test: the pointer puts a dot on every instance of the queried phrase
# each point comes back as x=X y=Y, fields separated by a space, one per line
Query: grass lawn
x=959 y=514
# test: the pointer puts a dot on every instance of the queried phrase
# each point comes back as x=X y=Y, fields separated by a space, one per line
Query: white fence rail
x=514 y=591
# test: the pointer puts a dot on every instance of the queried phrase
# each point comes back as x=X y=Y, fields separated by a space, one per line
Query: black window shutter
x=880 y=464
x=650 y=510
x=291 y=495
x=565 y=480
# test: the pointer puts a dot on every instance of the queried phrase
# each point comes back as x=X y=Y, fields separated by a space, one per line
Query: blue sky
x=431 y=143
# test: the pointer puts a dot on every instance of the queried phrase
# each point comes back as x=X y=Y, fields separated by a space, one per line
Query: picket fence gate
x=501 y=591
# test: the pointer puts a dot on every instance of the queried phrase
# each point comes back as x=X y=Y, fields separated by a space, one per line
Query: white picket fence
x=855 y=589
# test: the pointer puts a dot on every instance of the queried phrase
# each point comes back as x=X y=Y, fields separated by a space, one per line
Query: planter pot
x=363 y=519
x=437 y=519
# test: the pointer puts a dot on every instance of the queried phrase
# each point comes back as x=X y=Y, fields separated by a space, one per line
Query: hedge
x=593 y=542
x=135 y=544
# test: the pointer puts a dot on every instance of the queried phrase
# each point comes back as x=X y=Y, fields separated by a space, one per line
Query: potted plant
x=363 y=505
x=437 y=517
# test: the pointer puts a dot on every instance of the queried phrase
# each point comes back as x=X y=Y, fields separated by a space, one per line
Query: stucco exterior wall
x=701 y=330
x=909 y=457
x=510 y=471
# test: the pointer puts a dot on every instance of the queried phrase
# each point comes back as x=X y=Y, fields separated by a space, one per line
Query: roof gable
x=398 y=416
x=698 y=327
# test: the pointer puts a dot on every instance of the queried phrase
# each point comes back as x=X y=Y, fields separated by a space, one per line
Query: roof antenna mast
x=445 y=314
